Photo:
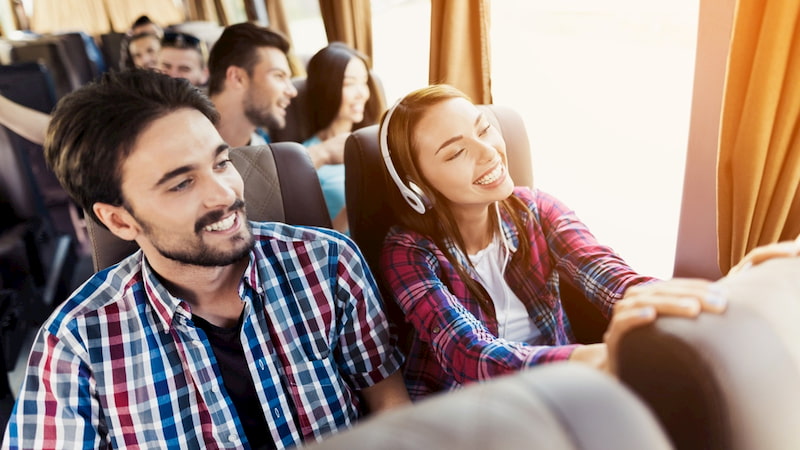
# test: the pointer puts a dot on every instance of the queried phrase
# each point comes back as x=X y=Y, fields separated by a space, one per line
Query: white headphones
x=412 y=193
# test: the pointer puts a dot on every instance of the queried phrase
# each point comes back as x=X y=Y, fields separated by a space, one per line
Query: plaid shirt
x=120 y=363
x=453 y=342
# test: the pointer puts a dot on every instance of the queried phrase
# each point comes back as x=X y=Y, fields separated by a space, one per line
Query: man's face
x=183 y=63
x=183 y=195
x=270 y=90
x=144 y=52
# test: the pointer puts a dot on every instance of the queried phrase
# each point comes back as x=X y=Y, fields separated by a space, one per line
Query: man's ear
x=235 y=74
x=118 y=220
x=204 y=77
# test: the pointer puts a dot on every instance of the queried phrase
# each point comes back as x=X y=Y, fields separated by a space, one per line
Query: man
x=219 y=332
x=184 y=56
x=250 y=82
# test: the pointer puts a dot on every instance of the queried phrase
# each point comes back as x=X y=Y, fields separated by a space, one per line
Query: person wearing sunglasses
x=184 y=56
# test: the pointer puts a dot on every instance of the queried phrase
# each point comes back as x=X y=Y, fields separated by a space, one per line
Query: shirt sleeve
x=56 y=407
x=369 y=351
x=600 y=273
x=460 y=341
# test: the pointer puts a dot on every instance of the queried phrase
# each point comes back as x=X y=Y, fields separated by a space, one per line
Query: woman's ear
x=118 y=220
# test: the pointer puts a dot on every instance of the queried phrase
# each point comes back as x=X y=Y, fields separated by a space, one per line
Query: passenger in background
x=144 y=49
x=141 y=25
x=339 y=88
x=475 y=262
x=250 y=82
x=218 y=332
x=184 y=56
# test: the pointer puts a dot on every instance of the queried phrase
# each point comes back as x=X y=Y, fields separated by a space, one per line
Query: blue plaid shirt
x=121 y=364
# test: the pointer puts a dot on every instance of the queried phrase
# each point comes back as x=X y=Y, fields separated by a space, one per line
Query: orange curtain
x=759 y=155
x=278 y=22
x=122 y=13
x=460 y=47
x=50 y=16
x=348 y=21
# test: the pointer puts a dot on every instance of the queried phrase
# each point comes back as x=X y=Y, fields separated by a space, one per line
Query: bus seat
x=370 y=217
x=725 y=381
x=84 y=56
x=297 y=127
x=558 y=406
x=280 y=184
x=30 y=84
x=111 y=46
x=51 y=52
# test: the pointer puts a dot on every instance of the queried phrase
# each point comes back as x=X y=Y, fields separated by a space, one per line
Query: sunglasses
x=180 y=40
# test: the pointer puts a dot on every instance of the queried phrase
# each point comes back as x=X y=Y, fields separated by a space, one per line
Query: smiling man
x=219 y=332
x=250 y=82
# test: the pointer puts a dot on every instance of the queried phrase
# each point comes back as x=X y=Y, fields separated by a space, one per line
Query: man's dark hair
x=237 y=46
x=141 y=20
x=94 y=129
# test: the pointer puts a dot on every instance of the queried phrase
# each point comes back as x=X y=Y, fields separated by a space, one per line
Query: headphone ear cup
x=421 y=195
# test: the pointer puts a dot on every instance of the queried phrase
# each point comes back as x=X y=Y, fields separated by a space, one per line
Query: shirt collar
x=167 y=306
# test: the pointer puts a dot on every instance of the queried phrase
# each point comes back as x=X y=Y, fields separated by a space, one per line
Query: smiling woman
x=475 y=262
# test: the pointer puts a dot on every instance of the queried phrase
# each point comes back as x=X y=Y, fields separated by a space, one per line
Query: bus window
x=400 y=43
x=605 y=89
x=306 y=27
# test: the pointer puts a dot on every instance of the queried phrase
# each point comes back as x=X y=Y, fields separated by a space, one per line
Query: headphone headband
x=412 y=194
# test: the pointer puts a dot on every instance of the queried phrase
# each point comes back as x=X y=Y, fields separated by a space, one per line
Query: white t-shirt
x=513 y=321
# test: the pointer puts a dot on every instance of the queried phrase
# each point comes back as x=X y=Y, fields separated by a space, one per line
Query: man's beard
x=261 y=117
x=198 y=253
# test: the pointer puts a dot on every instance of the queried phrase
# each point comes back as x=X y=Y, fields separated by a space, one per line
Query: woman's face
x=462 y=155
x=355 y=91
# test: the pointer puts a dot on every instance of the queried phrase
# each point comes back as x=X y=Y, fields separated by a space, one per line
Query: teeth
x=222 y=224
x=492 y=176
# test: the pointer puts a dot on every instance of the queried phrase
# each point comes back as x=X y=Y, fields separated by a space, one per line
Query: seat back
x=725 y=381
x=280 y=185
x=30 y=84
x=50 y=51
x=558 y=406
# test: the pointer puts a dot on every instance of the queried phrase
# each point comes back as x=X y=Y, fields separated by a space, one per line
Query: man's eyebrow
x=188 y=168
x=455 y=138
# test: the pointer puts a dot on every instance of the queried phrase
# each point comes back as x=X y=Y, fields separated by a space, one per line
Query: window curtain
x=50 y=16
x=276 y=14
x=202 y=10
x=348 y=21
x=460 y=47
x=122 y=13
x=759 y=155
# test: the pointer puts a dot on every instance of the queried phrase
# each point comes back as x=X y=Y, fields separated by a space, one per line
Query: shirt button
x=276 y=412
x=436 y=330
x=231 y=438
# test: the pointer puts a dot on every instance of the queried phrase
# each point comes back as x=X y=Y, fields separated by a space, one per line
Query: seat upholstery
x=726 y=381
x=370 y=217
x=558 y=406
x=280 y=184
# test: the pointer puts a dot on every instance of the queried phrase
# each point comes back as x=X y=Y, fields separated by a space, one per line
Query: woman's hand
x=679 y=297
x=758 y=255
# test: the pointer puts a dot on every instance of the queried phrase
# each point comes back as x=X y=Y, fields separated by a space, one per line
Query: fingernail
x=717 y=297
x=647 y=311
x=691 y=305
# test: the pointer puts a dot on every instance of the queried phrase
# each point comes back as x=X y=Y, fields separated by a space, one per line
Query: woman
x=475 y=262
x=342 y=97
